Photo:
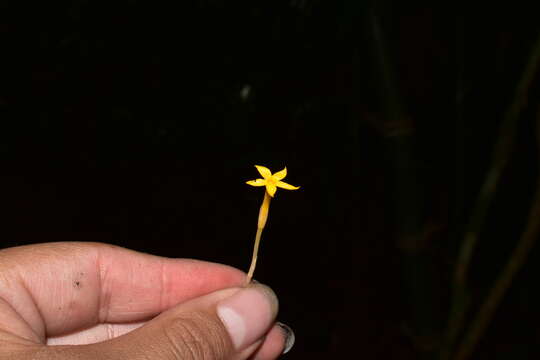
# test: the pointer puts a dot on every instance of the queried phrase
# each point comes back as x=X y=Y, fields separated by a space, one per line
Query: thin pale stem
x=263 y=216
x=254 y=257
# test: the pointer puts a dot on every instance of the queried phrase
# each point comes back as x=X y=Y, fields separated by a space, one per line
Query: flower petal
x=271 y=189
x=256 y=182
x=280 y=175
x=264 y=171
x=284 y=185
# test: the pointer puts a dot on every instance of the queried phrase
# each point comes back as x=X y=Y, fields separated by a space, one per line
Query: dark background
x=124 y=122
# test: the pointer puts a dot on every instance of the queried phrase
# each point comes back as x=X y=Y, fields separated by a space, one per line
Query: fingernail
x=289 y=336
x=248 y=314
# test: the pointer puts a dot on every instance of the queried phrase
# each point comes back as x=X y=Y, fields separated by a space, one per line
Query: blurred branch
x=412 y=232
x=459 y=205
x=500 y=157
x=516 y=262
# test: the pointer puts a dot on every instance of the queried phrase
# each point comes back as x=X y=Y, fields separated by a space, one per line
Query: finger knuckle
x=197 y=337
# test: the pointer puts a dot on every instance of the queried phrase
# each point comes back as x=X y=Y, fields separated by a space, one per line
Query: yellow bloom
x=271 y=181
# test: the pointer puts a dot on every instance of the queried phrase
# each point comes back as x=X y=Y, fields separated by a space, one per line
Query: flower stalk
x=271 y=182
x=263 y=216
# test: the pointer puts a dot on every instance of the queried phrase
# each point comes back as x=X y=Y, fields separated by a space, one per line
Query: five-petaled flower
x=271 y=181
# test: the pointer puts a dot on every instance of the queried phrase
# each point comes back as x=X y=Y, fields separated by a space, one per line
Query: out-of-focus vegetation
x=411 y=128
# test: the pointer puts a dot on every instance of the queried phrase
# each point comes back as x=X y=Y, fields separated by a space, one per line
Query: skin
x=87 y=293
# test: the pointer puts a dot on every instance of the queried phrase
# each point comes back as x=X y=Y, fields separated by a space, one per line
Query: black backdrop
x=137 y=123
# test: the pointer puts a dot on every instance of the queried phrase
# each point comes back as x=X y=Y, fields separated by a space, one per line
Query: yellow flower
x=271 y=181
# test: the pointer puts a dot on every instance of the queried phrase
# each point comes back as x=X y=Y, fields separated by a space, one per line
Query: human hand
x=97 y=301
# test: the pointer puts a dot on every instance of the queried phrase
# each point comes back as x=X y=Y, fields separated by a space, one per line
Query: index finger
x=61 y=287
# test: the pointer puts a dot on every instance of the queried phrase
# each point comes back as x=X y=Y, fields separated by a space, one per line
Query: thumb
x=227 y=324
